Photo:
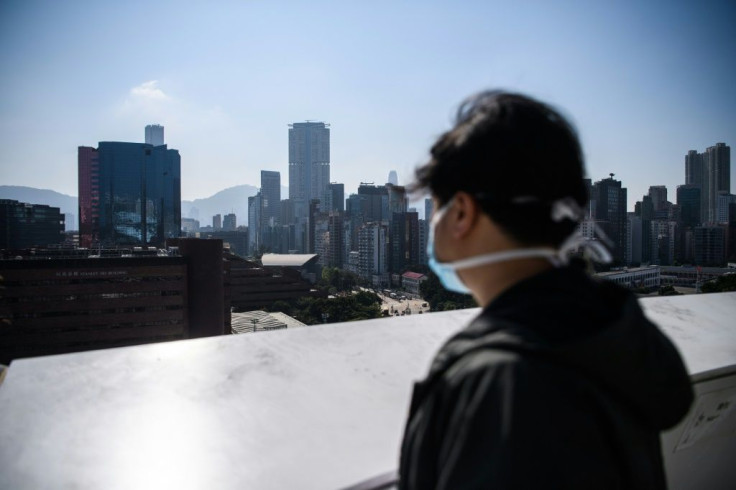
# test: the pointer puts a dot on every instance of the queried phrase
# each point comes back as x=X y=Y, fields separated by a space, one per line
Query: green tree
x=440 y=299
x=360 y=306
x=668 y=291
x=724 y=283
x=281 y=306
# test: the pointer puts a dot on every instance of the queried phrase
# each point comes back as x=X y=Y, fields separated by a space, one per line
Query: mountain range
x=231 y=200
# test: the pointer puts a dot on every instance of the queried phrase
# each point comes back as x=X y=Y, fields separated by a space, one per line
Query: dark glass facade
x=610 y=210
x=139 y=195
x=29 y=225
x=688 y=198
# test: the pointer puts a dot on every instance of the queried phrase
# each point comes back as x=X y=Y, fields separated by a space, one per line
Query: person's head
x=517 y=157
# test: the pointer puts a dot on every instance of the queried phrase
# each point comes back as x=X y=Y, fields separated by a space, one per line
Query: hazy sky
x=643 y=83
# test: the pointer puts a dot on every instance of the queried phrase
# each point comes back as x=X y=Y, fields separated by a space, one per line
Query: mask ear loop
x=568 y=208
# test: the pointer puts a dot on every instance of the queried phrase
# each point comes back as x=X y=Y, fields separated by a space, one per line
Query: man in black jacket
x=561 y=382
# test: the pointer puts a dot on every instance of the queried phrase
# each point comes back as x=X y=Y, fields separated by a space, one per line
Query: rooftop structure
x=636 y=277
x=287 y=260
x=259 y=321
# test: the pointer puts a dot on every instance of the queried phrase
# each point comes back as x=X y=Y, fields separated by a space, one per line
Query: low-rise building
x=411 y=281
x=634 y=278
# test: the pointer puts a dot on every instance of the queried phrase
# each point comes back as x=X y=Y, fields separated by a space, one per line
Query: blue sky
x=643 y=83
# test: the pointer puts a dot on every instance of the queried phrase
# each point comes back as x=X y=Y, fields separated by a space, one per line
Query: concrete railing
x=318 y=407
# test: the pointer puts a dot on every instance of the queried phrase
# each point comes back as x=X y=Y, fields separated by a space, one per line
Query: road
x=402 y=306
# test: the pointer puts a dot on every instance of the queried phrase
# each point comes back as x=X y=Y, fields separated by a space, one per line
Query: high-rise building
x=634 y=239
x=217 y=222
x=423 y=259
x=658 y=193
x=320 y=231
x=315 y=215
x=397 y=202
x=254 y=220
x=693 y=168
x=334 y=197
x=717 y=176
x=229 y=223
x=129 y=194
x=372 y=245
x=154 y=135
x=722 y=209
x=354 y=216
x=89 y=196
x=709 y=245
x=24 y=225
x=404 y=241
x=336 y=249
x=610 y=212
x=393 y=179
x=688 y=198
x=711 y=171
x=731 y=233
x=663 y=238
x=286 y=216
x=271 y=197
x=309 y=163
x=374 y=202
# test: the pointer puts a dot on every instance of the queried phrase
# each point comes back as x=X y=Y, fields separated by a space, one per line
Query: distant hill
x=230 y=200
x=31 y=195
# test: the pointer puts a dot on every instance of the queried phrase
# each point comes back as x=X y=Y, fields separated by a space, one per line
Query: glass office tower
x=139 y=192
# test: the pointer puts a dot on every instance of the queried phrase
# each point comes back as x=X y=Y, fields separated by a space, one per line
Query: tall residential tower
x=309 y=163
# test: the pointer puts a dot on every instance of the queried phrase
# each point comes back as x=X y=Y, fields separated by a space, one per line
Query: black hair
x=516 y=156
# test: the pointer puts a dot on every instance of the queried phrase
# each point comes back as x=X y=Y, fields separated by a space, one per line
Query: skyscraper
x=372 y=248
x=393 y=178
x=89 y=195
x=688 y=198
x=254 y=221
x=334 y=197
x=129 y=194
x=397 y=202
x=309 y=163
x=230 y=222
x=271 y=197
x=610 y=211
x=693 y=168
x=428 y=205
x=403 y=241
x=716 y=176
x=374 y=202
x=154 y=135
x=658 y=193
x=336 y=250
x=711 y=171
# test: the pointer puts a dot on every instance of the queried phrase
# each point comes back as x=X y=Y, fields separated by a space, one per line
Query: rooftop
x=412 y=275
x=257 y=320
x=286 y=260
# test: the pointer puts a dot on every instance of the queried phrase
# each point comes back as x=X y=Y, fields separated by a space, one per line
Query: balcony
x=320 y=407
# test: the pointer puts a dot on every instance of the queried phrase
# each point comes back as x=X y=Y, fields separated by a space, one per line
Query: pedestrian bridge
x=310 y=408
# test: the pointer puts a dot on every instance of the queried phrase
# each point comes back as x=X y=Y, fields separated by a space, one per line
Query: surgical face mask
x=447 y=271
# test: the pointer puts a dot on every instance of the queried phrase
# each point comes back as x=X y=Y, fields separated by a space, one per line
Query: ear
x=465 y=214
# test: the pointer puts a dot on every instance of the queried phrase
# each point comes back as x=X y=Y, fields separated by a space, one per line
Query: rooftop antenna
x=611 y=176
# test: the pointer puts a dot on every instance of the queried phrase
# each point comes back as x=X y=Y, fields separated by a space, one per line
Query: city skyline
x=643 y=84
